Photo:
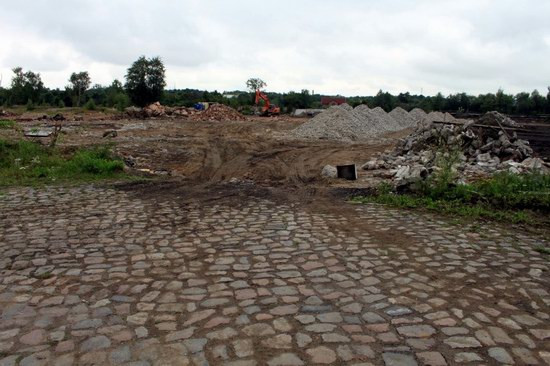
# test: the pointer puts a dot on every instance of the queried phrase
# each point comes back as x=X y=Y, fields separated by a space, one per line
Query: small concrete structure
x=348 y=172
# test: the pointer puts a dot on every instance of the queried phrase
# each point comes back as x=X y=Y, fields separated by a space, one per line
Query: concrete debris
x=329 y=171
x=307 y=112
x=58 y=117
x=497 y=119
x=110 y=134
x=218 y=112
x=135 y=112
x=474 y=152
x=155 y=110
x=348 y=124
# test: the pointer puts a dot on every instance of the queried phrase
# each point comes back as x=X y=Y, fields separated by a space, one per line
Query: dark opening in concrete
x=348 y=172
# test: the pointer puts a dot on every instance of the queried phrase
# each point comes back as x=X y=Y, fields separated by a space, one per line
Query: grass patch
x=542 y=250
x=6 y=124
x=27 y=163
x=518 y=199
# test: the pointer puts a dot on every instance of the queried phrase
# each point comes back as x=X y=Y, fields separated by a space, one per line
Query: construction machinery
x=268 y=109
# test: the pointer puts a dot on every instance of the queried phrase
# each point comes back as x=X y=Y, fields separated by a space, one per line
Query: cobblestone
x=96 y=275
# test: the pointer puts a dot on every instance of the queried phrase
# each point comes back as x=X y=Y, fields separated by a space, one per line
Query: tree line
x=145 y=83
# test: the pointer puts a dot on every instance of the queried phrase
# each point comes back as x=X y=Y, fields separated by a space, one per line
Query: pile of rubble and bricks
x=477 y=150
x=216 y=112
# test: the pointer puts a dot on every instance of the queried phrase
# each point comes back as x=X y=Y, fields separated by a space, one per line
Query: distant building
x=329 y=101
x=231 y=95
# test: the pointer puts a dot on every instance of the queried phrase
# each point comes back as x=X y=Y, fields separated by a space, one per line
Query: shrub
x=90 y=105
x=30 y=105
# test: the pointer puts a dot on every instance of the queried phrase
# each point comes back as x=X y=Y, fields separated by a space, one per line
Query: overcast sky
x=348 y=47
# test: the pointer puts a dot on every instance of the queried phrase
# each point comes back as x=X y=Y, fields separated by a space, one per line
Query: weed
x=542 y=249
x=504 y=197
x=28 y=163
x=44 y=275
x=7 y=124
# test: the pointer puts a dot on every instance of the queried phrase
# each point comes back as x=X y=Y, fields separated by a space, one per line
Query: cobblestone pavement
x=93 y=275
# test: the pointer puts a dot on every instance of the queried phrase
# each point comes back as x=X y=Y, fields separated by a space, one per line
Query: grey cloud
x=344 y=46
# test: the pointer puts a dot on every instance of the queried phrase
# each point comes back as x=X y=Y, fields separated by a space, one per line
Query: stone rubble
x=216 y=112
x=476 y=151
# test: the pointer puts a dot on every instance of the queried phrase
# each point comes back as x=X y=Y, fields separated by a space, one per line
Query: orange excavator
x=268 y=109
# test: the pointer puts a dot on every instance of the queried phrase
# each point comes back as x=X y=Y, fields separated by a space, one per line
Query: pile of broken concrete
x=219 y=112
x=474 y=150
x=216 y=112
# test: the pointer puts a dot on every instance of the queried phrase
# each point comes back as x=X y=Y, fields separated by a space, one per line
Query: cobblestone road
x=94 y=275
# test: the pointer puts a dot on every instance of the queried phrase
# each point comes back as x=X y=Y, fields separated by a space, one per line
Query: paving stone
x=303 y=339
x=431 y=358
x=462 y=342
x=398 y=359
x=321 y=355
x=465 y=357
x=243 y=347
x=181 y=334
x=285 y=359
x=119 y=355
x=95 y=343
x=416 y=331
x=116 y=277
x=501 y=355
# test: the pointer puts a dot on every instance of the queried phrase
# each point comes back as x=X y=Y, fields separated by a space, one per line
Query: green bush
x=30 y=105
x=97 y=161
x=90 y=105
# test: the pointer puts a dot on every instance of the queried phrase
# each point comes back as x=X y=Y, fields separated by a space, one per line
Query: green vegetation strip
x=505 y=197
x=6 y=124
x=28 y=163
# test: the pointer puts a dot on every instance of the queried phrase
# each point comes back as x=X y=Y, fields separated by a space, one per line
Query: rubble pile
x=476 y=150
x=155 y=110
x=218 y=112
x=348 y=124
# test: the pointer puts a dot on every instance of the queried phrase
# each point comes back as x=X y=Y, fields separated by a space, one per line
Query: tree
x=81 y=83
x=145 y=81
x=25 y=87
x=254 y=84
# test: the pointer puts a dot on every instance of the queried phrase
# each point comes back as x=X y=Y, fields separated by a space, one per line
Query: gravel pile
x=403 y=118
x=336 y=123
x=418 y=115
x=344 y=123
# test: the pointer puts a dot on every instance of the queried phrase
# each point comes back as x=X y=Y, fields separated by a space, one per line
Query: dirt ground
x=204 y=152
